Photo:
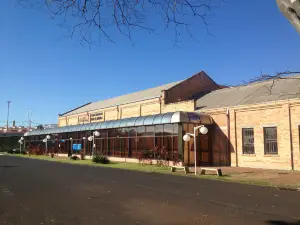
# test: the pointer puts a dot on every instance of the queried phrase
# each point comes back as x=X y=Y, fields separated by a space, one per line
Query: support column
x=233 y=140
x=284 y=136
x=180 y=141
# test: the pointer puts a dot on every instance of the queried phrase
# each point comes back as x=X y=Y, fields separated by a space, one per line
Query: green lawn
x=119 y=165
x=155 y=169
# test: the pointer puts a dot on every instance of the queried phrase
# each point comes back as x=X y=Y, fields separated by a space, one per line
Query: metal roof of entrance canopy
x=171 y=117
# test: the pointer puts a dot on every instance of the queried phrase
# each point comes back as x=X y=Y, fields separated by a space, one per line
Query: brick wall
x=295 y=123
x=186 y=106
x=220 y=142
x=130 y=111
x=72 y=120
x=177 y=98
x=189 y=88
x=62 y=121
x=258 y=119
x=112 y=114
x=142 y=108
x=151 y=108
x=285 y=115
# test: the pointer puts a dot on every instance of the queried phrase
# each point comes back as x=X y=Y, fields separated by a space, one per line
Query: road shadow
x=8 y=166
x=279 y=222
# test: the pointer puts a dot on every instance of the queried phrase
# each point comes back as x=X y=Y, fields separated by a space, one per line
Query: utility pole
x=7 y=122
x=29 y=119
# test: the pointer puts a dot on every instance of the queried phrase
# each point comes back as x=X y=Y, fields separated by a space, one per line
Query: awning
x=165 y=118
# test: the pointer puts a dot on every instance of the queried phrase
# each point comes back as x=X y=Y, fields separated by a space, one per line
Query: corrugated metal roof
x=124 y=99
x=259 y=92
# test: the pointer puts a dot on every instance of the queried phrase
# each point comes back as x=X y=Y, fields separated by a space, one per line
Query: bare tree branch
x=273 y=78
x=84 y=17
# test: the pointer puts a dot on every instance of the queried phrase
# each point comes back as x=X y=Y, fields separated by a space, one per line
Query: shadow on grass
x=279 y=222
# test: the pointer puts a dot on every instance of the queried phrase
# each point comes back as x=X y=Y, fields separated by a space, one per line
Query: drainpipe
x=159 y=105
x=228 y=136
x=235 y=139
x=291 y=138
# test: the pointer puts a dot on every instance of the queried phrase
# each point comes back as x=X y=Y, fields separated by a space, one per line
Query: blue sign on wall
x=77 y=147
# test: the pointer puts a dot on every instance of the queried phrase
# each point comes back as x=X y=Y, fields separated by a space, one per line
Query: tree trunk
x=291 y=10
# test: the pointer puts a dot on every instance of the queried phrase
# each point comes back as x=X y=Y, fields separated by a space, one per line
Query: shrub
x=17 y=151
x=100 y=159
x=74 y=157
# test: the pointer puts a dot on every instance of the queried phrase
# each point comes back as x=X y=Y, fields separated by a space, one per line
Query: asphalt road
x=41 y=192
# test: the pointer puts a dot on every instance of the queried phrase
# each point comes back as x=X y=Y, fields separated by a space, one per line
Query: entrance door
x=205 y=149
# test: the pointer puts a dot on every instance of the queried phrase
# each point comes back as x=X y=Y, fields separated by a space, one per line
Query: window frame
x=267 y=151
x=243 y=142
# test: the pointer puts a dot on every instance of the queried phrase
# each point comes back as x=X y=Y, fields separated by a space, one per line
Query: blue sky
x=42 y=69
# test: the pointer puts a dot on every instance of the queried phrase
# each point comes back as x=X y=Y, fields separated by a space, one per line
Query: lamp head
x=203 y=130
x=97 y=133
x=186 y=138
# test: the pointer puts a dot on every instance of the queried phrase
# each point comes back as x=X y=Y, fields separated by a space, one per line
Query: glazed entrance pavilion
x=130 y=138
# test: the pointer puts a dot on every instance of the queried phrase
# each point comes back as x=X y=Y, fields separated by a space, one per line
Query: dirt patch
x=287 y=179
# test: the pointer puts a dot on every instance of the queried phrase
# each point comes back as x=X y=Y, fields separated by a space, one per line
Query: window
x=248 y=140
x=149 y=130
x=270 y=140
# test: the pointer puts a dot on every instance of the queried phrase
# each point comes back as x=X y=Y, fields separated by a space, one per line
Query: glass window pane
x=159 y=142
x=168 y=145
x=168 y=129
x=105 y=146
x=140 y=131
x=270 y=139
x=159 y=130
x=248 y=140
x=175 y=129
x=141 y=144
x=133 y=153
x=175 y=144
x=149 y=143
x=132 y=132
x=112 y=133
x=103 y=133
x=149 y=130
x=124 y=132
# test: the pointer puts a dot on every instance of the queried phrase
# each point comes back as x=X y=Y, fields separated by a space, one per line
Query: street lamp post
x=46 y=142
x=92 y=138
x=25 y=135
x=84 y=139
x=187 y=137
x=71 y=143
x=20 y=141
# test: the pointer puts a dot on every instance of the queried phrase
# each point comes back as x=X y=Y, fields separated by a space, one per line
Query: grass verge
x=159 y=169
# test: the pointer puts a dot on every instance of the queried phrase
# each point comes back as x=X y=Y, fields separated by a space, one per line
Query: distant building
x=12 y=131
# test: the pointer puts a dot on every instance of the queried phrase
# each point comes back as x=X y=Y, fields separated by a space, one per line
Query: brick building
x=255 y=125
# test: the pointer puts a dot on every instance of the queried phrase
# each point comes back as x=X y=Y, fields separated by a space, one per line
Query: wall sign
x=77 y=147
x=84 y=118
